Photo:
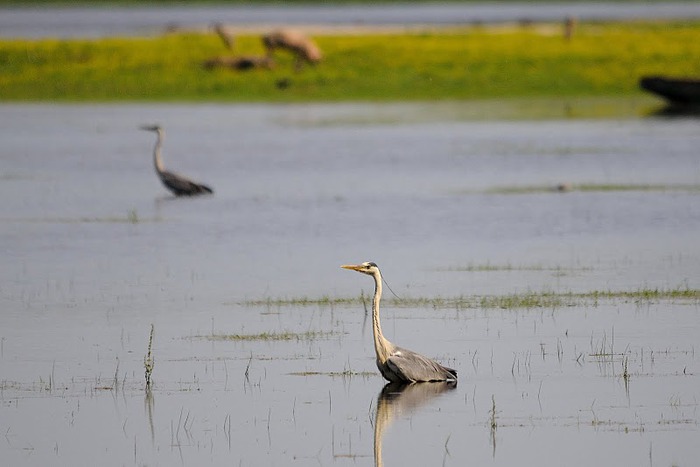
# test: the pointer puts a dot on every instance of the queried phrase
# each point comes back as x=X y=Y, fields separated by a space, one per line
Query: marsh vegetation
x=509 y=301
x=477 y=62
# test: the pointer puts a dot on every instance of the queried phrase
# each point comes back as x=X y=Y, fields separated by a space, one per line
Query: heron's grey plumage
x=395 y=363
x=411 y=366
x=178 y=184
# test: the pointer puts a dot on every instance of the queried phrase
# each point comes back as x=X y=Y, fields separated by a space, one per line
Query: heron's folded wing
x=415 y=367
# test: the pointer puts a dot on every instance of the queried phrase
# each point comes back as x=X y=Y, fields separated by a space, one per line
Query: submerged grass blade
x=270 y=336
x=334 y=374
x=301 y=301
x=545 y=299
x=590 y=188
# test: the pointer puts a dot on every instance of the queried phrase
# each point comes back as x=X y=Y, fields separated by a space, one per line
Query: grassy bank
x=477 y=62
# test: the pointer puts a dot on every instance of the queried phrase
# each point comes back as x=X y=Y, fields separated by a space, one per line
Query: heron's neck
x=382 y=347
x=157 y=161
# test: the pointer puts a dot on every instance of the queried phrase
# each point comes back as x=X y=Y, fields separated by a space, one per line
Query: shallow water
x=448 y=204
x=69 y=21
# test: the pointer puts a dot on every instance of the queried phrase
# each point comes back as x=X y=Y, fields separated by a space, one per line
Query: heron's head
x=151 y=127
x=368 y=268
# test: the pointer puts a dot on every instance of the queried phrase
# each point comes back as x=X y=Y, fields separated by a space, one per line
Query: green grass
x=603 y=59
x=507 y=301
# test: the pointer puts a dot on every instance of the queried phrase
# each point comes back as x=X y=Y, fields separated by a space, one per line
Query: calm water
x=95 y=251
x=96 y=22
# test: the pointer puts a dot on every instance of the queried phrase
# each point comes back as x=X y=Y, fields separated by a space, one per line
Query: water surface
x=95 y=251
x=100 y=21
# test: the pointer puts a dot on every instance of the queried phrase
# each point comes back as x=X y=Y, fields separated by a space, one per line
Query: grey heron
x=178 y=184
x=225 y=35
x=397 y=364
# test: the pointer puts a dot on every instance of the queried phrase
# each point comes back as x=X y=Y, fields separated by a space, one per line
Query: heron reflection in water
x=397 y=364
x=178 y=184
x=396 y=399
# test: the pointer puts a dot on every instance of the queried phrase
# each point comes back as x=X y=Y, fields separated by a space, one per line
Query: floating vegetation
x=334 y=374
x=508 y=301
x=590 y=188
x=488 y=267
x=131 y=217
x=301 y=301
x=270 y=336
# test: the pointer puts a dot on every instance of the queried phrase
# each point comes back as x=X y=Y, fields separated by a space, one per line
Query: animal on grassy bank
x=240 y=62
x=569 y=27
x=304 y=49
x=226 y=36
x=236 y=62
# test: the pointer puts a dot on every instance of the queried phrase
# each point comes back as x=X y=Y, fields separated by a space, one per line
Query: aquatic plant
x=148 y=361
x=334 y=374
x=590 y=188
x=529 y=299
x=269 y=336
x=133 y=216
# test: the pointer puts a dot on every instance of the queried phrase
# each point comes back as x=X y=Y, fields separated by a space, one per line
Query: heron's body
x=397 y=364
x=178 y=184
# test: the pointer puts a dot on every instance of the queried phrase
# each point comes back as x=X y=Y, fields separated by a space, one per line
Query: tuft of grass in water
x=530 y=299
x=558 y=271
x=133 y=216
x=492 y=413
x=647 y=294
x=301 y=301
x=334 y=374
x=148 y=361
x=591 y=188
x=270 y=336
x=635 y=187
x=488 y=267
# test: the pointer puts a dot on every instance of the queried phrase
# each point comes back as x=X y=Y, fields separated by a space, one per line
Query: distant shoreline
x=36 y=20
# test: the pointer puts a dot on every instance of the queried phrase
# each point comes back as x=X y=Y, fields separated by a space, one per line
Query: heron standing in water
x=395 y=363
x=178 y=184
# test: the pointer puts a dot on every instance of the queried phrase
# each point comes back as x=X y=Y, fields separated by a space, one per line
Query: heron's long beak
x=354 y=267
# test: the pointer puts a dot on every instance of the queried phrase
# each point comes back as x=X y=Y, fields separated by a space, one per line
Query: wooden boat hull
x=675 y=90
